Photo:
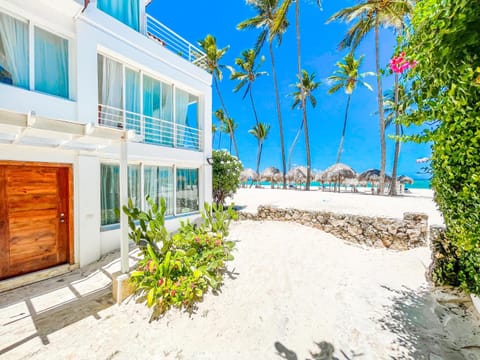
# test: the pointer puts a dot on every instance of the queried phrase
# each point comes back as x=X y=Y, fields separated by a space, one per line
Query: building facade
x=83 y=87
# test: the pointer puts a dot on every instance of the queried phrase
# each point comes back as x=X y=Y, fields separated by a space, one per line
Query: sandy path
x=293 y=284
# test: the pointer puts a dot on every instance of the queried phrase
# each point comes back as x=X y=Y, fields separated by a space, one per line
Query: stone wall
x=409 y=233
x=440 y=247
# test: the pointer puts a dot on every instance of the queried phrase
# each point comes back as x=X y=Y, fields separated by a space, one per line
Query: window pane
x=126 y=11
x=186 y=117
x=110 y=193
x=13 y=52
x=110 y=92
x=158 y=183
x=187 y=190
x=51 y=63
x=134 y=190
x=132 y=100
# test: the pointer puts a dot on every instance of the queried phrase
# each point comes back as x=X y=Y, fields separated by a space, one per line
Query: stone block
x=121 y=287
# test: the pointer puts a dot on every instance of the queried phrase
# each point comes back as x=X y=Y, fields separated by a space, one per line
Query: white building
x=75 y=79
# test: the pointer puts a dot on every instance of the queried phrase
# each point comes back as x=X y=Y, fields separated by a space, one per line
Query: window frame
x=31 y=25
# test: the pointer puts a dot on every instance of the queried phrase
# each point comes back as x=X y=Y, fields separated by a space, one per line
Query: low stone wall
x=409 y=233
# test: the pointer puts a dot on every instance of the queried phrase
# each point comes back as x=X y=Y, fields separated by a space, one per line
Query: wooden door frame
x=70 y=242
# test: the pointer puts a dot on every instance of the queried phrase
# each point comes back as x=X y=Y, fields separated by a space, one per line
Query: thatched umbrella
x=403 y=179
x=372 y=175
x=338 y=172
x=269 y=173
x=248 y=174
x=297 y=174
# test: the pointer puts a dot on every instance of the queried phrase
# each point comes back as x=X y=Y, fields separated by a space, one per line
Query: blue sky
x=195 y=19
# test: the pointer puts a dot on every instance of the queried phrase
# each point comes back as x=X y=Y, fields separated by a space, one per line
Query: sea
x=417 y=184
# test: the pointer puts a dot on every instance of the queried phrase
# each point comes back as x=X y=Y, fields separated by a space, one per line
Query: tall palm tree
x=214 y=55
x=370 y=15
x=346 y=77
x=264 y=20
x=214 y=132
x=260 y=131
x=248 y=74
x=228 y=126
x=304 y=90
x=396 y=104
x=279 y=20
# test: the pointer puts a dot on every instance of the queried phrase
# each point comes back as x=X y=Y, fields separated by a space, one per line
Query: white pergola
x=32 y=130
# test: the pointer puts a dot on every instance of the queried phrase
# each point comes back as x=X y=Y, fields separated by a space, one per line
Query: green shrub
x=226 y=171
x=177 y=270
x=445 y=42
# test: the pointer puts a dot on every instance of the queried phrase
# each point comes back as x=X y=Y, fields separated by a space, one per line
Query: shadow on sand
x=326 y=352
x=433 y=324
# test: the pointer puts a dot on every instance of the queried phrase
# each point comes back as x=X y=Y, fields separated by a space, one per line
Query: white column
x=124 y=201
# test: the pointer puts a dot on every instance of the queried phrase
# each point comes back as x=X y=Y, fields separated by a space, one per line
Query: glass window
x=110 y=92
x=126 y=11
x=186 y=117
x=110 y=191
x=51 y=63
x=132 y=100
x=158 y=183
x=187 y=191
x=14 y=65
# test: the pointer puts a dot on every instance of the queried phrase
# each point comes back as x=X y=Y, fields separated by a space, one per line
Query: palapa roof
x=269 y=173
x=248 y=174
x=403 y=179
x=339 y=170
x=297 y=174
x=372 y=175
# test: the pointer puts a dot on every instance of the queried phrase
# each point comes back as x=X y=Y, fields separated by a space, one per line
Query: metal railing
x=175 y=43
x=149 y=129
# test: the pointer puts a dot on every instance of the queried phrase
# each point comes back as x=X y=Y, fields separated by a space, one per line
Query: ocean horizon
x=417 y=184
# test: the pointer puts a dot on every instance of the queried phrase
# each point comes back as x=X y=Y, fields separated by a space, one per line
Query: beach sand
x=289 y=287
x=361 y=203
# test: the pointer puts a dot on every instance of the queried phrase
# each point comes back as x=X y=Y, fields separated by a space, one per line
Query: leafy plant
x=445 y=42
x=226 y=171
x=177 y=270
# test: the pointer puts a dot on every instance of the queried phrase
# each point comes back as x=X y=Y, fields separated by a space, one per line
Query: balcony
x=151 y=130
x=161 y=34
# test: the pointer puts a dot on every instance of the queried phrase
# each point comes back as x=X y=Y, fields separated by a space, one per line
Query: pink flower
x=398 y=64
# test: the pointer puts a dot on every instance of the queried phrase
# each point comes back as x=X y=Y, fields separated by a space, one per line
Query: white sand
x=419 y=200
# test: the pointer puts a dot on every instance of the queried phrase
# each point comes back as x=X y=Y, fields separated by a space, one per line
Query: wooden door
x=35 y=212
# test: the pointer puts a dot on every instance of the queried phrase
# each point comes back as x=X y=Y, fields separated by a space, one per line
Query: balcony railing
x=175 y=43
x=150 y=130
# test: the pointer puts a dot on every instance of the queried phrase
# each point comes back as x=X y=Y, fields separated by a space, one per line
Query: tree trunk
x=259 y=155
x=253 y=106
x=393 y=184
x=279 y=113
x=340 y=147
x=383 y=145
x=232 y=135
x=292 y=147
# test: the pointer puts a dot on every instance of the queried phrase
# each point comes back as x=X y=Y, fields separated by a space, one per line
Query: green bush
x=226 y=171
x=177 y=270
x=445 y=41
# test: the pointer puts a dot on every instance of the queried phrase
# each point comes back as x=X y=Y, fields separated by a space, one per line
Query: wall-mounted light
x=210 y=160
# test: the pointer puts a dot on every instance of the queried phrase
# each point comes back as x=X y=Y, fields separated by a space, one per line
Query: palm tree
x=228 y=126
x=304 y=90
x=346 y=77
x=214 y=54
x=248 y=74
x=260 y=131
x=396 y=104
x=214 y=131
x=279 y=20
x=371 y=14
x=265 y=20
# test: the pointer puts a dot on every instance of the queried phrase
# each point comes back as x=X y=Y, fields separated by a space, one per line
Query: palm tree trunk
x=219 y=139
x=259 y=155
x=383 y=145
x=217 y=88
x=340 y=147
x=279 y=113
x=253 y=107
x=393 y=184
x=292 y=147
x=304 y=105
